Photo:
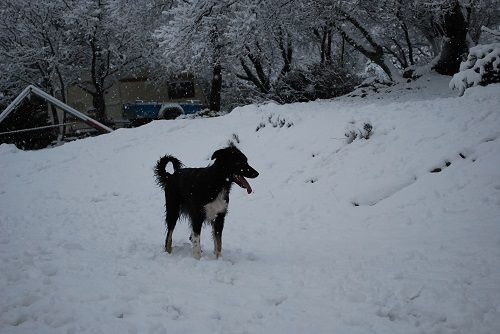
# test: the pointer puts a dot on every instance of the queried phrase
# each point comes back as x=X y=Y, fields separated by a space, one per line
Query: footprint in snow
x=96 y=199
x=73 y=246
x=439 y=169
x=221 y=277
x=216 y=315
x=19 y=319
x=174 y=312
x=29 y=299
x=49 y=270
x=277 y=300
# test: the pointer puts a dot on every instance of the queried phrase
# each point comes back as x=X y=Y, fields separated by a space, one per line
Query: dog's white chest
x=215 y=207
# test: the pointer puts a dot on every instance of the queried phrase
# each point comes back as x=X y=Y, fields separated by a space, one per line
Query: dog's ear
x=218 y=154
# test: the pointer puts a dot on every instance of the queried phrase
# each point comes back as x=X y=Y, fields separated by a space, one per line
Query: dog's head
x=235 y=164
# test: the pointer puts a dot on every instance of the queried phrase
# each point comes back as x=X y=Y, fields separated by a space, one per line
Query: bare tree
x=194 y=38
x=109 y=42
x=34 y=47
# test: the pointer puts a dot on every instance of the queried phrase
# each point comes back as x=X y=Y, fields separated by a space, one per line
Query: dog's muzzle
x=242 y=182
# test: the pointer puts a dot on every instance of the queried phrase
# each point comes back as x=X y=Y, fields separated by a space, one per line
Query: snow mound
x=394 y=233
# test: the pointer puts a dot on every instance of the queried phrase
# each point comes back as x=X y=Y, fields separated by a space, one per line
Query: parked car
x=139 y=113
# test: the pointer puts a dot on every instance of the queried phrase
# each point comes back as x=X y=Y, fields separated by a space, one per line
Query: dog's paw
x=197 y=254
x=217 y=255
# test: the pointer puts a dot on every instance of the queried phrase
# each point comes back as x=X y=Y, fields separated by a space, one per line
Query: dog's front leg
x=217 y=227
x=195 y=237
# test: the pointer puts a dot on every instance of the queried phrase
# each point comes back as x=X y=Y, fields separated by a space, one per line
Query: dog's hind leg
x=217 y=227
x=173 y=211
x=168 y=242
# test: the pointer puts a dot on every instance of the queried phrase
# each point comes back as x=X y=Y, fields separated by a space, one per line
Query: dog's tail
x=161 y=174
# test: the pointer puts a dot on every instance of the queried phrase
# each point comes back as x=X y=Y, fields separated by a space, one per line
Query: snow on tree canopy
x=482 y=67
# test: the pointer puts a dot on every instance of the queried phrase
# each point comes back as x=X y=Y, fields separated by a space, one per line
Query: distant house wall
x=130 y=90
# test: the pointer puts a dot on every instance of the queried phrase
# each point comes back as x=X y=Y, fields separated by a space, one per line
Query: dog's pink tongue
x=242 y=182
x=248 y=188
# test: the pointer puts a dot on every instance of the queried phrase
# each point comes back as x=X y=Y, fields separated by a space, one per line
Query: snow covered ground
x=336 y=238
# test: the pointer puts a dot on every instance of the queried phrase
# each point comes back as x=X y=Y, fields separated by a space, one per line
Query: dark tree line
x=242 y=51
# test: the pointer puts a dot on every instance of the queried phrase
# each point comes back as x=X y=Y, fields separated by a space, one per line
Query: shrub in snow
x=482 y=67
x=318 y=81
x=365 y=133
x=235 y=139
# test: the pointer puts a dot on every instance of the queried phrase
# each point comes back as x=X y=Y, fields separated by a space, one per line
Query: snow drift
x=399 y=233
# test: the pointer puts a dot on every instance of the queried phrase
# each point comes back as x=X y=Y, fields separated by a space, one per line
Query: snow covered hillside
x=399 y=233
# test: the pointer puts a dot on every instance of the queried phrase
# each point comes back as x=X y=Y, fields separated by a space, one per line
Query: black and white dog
x=202 y=194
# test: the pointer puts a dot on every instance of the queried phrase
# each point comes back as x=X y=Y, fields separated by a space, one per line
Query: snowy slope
x=336 y=238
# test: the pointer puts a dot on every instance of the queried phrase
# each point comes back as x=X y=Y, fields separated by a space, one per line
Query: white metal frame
x=49 y=98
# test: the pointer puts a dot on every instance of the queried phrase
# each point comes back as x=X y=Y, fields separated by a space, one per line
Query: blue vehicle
x=139 y=113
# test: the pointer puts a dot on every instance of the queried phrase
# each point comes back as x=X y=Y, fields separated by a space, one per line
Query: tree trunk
x=286 y=49
x=63 y=99
x=371 y=50
x=99 y=104
x=454 y=45
x=216 y=88
x=97 y=71
x=325 y=40
x=260 y=79
x=342 y=52
x=55 y=117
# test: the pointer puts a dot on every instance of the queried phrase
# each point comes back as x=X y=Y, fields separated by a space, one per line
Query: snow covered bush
x=352 y=132
x=482 y=67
